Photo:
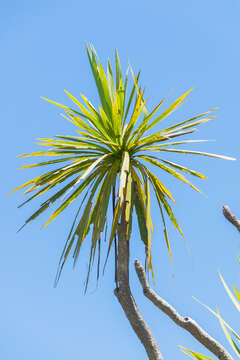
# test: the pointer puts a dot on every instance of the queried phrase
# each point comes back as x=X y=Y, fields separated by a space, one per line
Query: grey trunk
x=125 y=297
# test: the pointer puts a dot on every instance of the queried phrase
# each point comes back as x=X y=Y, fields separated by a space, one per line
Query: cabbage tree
x=108 y=163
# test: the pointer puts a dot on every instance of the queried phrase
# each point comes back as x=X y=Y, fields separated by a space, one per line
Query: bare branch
x=231 y=217
x=185 y=322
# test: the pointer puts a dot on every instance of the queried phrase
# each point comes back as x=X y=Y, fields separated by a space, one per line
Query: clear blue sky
x=177 y=44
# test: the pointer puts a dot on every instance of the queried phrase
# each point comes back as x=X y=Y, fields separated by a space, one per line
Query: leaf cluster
x=110 y=157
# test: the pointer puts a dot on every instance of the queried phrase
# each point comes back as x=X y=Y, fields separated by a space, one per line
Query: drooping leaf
x=73 y=196
x=169 y=170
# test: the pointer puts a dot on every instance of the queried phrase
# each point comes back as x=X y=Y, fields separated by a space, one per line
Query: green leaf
x=178 y=125
x=111 y=84
x=60 y=175
x=198 y=153
x=130 y=100
x=145 y=111
x=110 y=144
x=82 y=229
x=148 y=219
x=191 y=125
x=83 y=225
x=116 y=217
x=167 y=169
x=118 y=70
x=165 y=232
x=237 y=293
x=51 y=185
x=157 y=183
x=169 y=110
x=52 y=162
x=121 y=100
x=42 y=208
x=144 y=143
x=24 y=185
x=92 y=116
x=230 y=340
x=98 y=216
x=105 y=88
x=142 y=127
x=99 y=80
x=74 y=195
x=117 y=117
x=62 y=259
x=215 y=314
x=157 y=147
x=140 y=208
x=160 y=192
x=180 y=167
x=232 y=297
x=58 y=104
x=103 y=126
x=194 y=355
x=72 y=145
x=135 y=115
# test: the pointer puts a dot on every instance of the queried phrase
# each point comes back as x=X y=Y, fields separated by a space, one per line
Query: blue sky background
x=177 y=45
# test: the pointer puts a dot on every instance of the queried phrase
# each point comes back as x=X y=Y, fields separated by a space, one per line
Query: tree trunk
x=125 y=298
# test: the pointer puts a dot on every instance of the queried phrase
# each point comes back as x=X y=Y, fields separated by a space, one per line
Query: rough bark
x=231 y=217
x=125 y=297
x=185 y=322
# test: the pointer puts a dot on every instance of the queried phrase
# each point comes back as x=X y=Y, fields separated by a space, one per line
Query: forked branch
x=185 y=322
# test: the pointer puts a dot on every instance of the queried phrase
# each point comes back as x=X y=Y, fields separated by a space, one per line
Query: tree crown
x=110 y=157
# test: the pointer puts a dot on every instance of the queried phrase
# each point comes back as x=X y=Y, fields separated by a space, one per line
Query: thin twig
x=185 y=322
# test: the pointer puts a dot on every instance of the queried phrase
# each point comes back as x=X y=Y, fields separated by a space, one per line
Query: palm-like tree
x=108 y=159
